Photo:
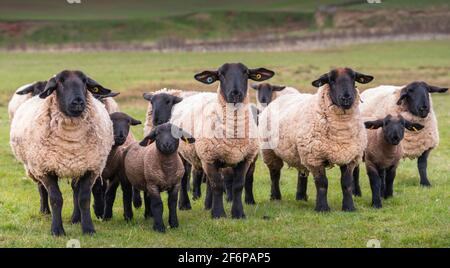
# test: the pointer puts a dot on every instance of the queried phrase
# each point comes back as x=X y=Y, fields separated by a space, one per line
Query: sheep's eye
x=168 y=102
x=61 y=80
x=84 y=80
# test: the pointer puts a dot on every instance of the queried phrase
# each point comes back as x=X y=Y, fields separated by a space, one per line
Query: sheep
x=266 y=93
x=227 y=135
x=414 y=103
x=24 y=93
x=383 y=153
x=156 y=167
x=313 y=131
x=65 y=133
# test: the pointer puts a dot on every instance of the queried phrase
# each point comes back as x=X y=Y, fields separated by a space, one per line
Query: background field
x=415 y=217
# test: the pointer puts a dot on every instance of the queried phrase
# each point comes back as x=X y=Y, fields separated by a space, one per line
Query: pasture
x=415 y=217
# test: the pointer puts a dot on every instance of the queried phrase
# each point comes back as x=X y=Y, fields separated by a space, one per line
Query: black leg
x=110 y=197
x=45 y=208
x=302 y=185
x=137 y=200
x=375 y=186
x=56 y=202
x=228 y=183
x=382 y=174
x=216 y=182
x=321 y=182
x=98 y=191
x=127 y=190
x=184 y=202
x=148 y=206
x=172 y=203
x=157 y=210
x=249 y=198
x=208 y=197
x=275 y=193
x=240 y=171
x=347 y=187
x=390 y=176
x=84 y=201
x=356 y=185
x=422 y=166
x=76 y=214
x=197 y=182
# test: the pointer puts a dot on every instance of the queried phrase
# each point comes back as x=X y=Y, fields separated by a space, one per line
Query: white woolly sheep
x=316 y=131
x=65 y=133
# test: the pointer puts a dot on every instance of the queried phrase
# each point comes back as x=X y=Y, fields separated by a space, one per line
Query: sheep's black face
x=121 y=126
x=34 y=89
x=162 y=104
x=417 y=98
x=393 y=128
x=342 y=85
x=233 y=79
x=71 y=90
x=265 y=91
x=167 y=138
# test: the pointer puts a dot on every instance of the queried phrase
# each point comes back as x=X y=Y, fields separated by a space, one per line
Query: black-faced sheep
x=65 y=133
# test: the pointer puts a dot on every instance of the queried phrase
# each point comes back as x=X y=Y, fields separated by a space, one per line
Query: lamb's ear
x=26 y=90
x=412 y=126
x=363 y=78
x=96 y=88
x=322 y=80
x=373 y=124
x=134 y=122
x=207 y=77
x=403 y=94
x=255 y=86
x=49 y=88
x=278 y=88
x=433 y=89
x=149 y=139
x=147 y=96
x=260 y=74
x=177 y=99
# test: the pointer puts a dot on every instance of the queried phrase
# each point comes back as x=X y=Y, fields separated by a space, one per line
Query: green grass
x=415 y=217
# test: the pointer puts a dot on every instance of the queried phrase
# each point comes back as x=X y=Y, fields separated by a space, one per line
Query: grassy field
x=415 y=217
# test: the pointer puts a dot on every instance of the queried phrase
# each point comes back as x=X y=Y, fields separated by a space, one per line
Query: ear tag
x=258 y=76
x=209 y=80
x=185 y=140
x=415 y=129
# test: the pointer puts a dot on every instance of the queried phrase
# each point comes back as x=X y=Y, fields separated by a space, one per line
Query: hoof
x=45 y=211
x=218 y=215
x=250 y=201
x=322 y=208
x=173 y=224
x=89 y=231
x=425 y=184
x=377 y=205
x=75 y=219
x=185 y=206
x=301 y=197
x=159 y=228
x=58 y=231
x=238 y=215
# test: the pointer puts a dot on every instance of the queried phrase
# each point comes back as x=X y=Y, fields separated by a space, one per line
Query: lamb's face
x=233 y=79
x=265 y=91
x=167 y=138
x=34 y=89
x=162 y=104
x=393 y=128
x=71 y=90
x=342 y=85
x=417 y=98
x=121 y=126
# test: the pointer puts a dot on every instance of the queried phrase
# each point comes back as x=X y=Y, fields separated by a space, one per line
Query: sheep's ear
x=149 y=139
x=322 y=80
x=147 y=96
x=260 y=74
x=255 y=86
x=363 y=78
x=111 y=94
x=403 y=94
x=433 y=89
x=207 y=77
x=177 y=99
x=49 y=88
x=278 y=88
x=412 y=126
x=134 y=122
x=96 y=88
x=373 y=124
x=26 y=90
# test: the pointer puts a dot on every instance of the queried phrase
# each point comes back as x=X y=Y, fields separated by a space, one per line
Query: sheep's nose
x=235 y=92
x=264 y=100
x=77 y=102
x=423 y=108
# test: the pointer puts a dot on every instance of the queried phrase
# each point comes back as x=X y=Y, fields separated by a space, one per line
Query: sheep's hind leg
x=216 y=182
x=76 y=214
x=56 y=201
x=356 y=185
x=98 y=191
x=45 y=208
x=249 y=198
x=390 y=176
x=84 y=199
x=110 y=197
x=197 y=182
x=137 y=200
x=302 y=186
x=274 y=163
x=172 y=204
x=347 y=187
x=148 y=206
x=208 y=197
x=127 y=190
x=321 y=182
x=422 y=164
x=184 y=202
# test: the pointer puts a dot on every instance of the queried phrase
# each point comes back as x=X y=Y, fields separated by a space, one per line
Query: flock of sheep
x=71 y=127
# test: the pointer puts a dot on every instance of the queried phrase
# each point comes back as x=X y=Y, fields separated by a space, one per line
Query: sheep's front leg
x=216 y=182
x=184 y=202
x=275 y=164
x=390 y=176
x=249 y=198
x=98 y=191
x=375 y=185
x=356 y=185
x=347 y=187
x=208 y=197
x=228 y=184
x=422 y=163
x=110 y=197
x=56 y=201
x=196 y=183
x=240 y=171
x=172 y=203
x=84 y=201
x=321 y=182
x=302 y=186
x=76 y=214
x=127 y=190
x=45 y=208
x=157 y=209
